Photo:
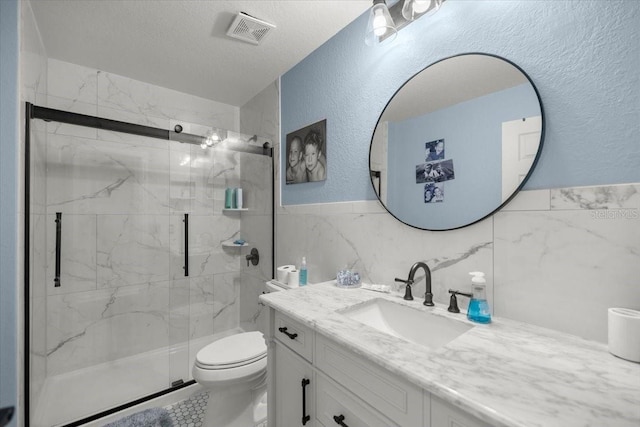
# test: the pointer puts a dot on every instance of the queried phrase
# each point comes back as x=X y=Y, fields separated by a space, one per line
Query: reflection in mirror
x=456 y=142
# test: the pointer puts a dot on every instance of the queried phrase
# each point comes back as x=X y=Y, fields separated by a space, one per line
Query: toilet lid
x=234 y=350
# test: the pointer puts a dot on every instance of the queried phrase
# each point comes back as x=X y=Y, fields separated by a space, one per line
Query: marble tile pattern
x=554 y=258
x=507 y=373
x=123 y=200
x=260 y=117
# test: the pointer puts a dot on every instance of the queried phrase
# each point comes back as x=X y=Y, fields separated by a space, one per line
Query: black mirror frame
x=373 y=174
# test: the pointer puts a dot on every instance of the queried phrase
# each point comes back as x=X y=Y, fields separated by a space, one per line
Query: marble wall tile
x=206 y=254
x=37 y=192
x=122 y=93
x=73 y=82
x=38 y=257
x=597 y=197
x=261 y=115
x=33 y=57
x=88 y=328
x=226 y=302
x=214 y=301
x=132 y=249
x=337 y=241
x=87 y=176
x=38 y=347
x=563 y=269
x=179 y=314
x=225 y=174
x=257 y=187
x=207 y=169
x=181 y=188
x=256 y=229
x=78 y=268
x=201 y=299
x=252 y=313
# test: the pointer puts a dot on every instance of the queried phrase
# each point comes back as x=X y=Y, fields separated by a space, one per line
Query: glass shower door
x=128 y=274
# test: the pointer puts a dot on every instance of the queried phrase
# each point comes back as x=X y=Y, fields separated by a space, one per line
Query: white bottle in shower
x=239 y=198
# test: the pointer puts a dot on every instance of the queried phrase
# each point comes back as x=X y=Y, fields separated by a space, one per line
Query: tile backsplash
x=555 y=258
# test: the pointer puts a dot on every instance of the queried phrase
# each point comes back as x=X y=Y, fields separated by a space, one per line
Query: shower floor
x=75 y=395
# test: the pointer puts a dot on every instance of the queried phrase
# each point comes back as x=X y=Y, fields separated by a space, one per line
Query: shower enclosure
x=130 y=262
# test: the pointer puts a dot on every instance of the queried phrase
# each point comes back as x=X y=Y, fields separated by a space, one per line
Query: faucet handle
x=407 y=290
x=453 y=301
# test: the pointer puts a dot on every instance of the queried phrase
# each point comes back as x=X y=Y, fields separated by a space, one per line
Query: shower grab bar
x=186 y=245
x=56 y=279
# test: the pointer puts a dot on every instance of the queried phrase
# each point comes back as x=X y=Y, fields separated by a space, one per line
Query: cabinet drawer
x=294 y=335
x=398 y=399
x=335 y=406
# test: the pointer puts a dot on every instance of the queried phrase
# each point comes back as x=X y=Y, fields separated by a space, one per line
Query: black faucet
x=428 y=296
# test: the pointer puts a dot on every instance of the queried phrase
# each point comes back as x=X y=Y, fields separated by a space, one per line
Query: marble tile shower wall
x=259 y=116
x=555 y=258
x=123 y=200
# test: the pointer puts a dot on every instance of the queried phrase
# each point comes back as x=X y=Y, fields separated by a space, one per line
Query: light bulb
x=379 y=23
x=203 y=145
x=421 y=6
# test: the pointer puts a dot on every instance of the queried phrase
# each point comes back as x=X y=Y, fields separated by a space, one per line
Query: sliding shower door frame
x=49 y=114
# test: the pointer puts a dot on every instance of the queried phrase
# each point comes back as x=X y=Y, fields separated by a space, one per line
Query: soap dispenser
x=478 y=310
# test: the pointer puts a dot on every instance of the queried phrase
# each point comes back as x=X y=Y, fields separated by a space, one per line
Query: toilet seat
x=232 y=352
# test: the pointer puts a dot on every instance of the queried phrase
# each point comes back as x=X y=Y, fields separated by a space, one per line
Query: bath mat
x=154 y=417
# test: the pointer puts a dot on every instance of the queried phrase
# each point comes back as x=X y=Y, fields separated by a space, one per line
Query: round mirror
x=456 y=142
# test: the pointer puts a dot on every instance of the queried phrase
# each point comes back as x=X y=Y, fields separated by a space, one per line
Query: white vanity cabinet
x=294 y=384
x=315 y=377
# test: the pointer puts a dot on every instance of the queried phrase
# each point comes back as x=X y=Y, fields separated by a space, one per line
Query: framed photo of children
x=306 y=154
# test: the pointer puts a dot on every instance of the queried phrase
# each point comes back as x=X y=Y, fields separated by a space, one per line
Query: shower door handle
x=186 y=244
x=56 y=279
x=305 y=417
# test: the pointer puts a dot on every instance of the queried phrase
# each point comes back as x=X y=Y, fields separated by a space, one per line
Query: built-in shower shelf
x=235 y=210
x=230 y=244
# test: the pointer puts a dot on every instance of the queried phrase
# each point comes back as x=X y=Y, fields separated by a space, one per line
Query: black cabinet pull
x=56 y=280
x=284 y=331
x=339 y=420
x=305 y=416
x=186 y=244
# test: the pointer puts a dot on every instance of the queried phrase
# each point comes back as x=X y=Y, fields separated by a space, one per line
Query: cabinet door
x=444 y=414
x=337 y=407
x=294 y=385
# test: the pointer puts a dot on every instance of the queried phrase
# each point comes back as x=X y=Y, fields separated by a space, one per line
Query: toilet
x=234 y=372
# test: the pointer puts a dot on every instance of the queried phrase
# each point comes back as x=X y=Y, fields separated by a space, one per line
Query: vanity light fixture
x=384 y=23
x=413 y=9
x=380 y=26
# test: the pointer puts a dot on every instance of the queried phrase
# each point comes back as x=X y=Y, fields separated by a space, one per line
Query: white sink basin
x=411 y=324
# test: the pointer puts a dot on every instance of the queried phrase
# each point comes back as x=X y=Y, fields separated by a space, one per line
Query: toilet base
x=235 y=406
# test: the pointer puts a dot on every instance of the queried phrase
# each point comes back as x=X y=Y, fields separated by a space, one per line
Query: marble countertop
x=507 y=373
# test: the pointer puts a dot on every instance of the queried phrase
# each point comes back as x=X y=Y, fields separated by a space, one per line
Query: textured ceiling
x=183 y=45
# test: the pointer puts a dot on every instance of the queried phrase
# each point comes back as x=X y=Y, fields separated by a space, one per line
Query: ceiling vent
x=249 y=29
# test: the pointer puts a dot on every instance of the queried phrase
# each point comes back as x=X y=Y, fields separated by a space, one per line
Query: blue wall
x=472 y=132
x=8 y=195
x=583 y=56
